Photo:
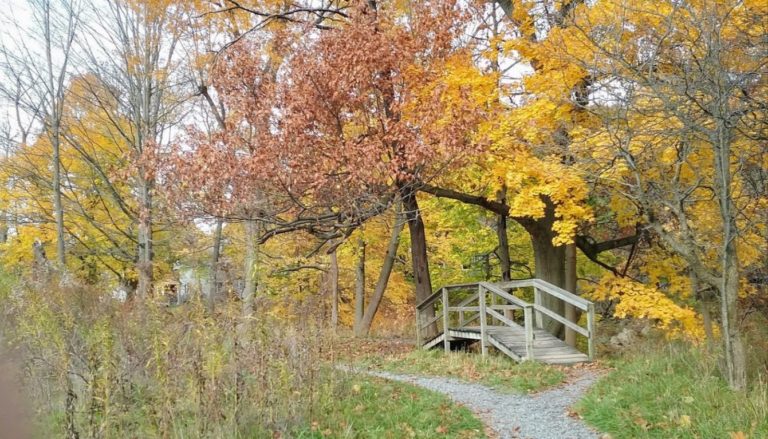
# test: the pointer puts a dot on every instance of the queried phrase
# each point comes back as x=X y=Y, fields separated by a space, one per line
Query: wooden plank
x=503 y=294
x=483 y=323
x=561 y=357
x=500 y=317
x=437 y=294
x=446 y=326
x=522 y=283
x=528 y=333
x=433 y=320
x=465 y=335
x=591 y=329
x=561 y=319
x=562 y=294
x=471 y=319
x=537 y=303
x=506 y=350
x=468 y=300
x=419 y=341
x=461 y=286
x=464 y=308
x=429 y=300
x=477 y=308
x=434 y=342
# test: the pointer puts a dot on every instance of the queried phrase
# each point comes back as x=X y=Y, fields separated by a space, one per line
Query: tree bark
x=146 y=252
x=57 y=206
x=251 y=267
x=384 y=275
x=571 y=314
x=421 y=277
x=735 y=355
x=359 y=288
x=213 y=293
x=501 y=232
x=704 y=308
x=4 y=226
x=333 y=276
x=550 y=267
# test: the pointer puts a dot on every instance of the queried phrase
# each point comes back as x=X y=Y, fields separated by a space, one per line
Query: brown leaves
x=335 y=117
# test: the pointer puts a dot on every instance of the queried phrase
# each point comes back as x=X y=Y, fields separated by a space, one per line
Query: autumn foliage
x=256 y=151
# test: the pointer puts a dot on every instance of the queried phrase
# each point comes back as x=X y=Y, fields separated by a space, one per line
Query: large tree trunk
x=359 y=288
x=384 y=274
x=550 y=267
x=571 y=313
x=145 y=260
x=501 y=233
x=422 y=280
x=213 y=293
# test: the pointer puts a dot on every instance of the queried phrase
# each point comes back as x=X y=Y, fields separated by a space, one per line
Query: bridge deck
x=496 y=312
x=511 y=340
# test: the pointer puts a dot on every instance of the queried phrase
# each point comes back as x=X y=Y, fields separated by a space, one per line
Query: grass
x=362 y=408
x=673 y=392
x=496 y=371
x=376 y=408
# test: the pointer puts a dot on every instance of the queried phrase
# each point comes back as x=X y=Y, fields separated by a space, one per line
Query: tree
x=680 y=90
x=37 y=64
x=133 y=60
x=373 y=86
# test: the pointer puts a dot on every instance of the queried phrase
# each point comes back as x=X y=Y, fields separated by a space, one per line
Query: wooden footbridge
x=496 y=315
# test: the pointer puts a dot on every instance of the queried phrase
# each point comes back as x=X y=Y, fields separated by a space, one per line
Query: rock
x=627 y=337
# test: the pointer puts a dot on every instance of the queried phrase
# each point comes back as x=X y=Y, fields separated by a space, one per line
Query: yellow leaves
x=625 y=212
x=643 y=301
x=532 y=181
x=452 y=87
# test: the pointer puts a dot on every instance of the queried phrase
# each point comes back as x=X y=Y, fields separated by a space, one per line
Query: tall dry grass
x=97 y=368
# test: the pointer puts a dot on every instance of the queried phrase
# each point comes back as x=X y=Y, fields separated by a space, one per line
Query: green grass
x=375 y=408
x=362 y=408
x=673 y=392
x=495 y=371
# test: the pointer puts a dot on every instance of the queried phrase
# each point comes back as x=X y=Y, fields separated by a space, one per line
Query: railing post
x=528 y=317
x=419 y=340
x=591 y=329
x=537 y=301
x=483 y=329
x=446 y=305
x=492 y=298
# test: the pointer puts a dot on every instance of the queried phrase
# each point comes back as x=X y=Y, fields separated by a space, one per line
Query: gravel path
x=542 y=415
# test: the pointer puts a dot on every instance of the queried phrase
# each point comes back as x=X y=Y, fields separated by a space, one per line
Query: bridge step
x=511 y=340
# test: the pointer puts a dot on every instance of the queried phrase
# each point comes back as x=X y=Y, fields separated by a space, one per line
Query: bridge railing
x=456 y=306
x=492 y=293
x=542 y=288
